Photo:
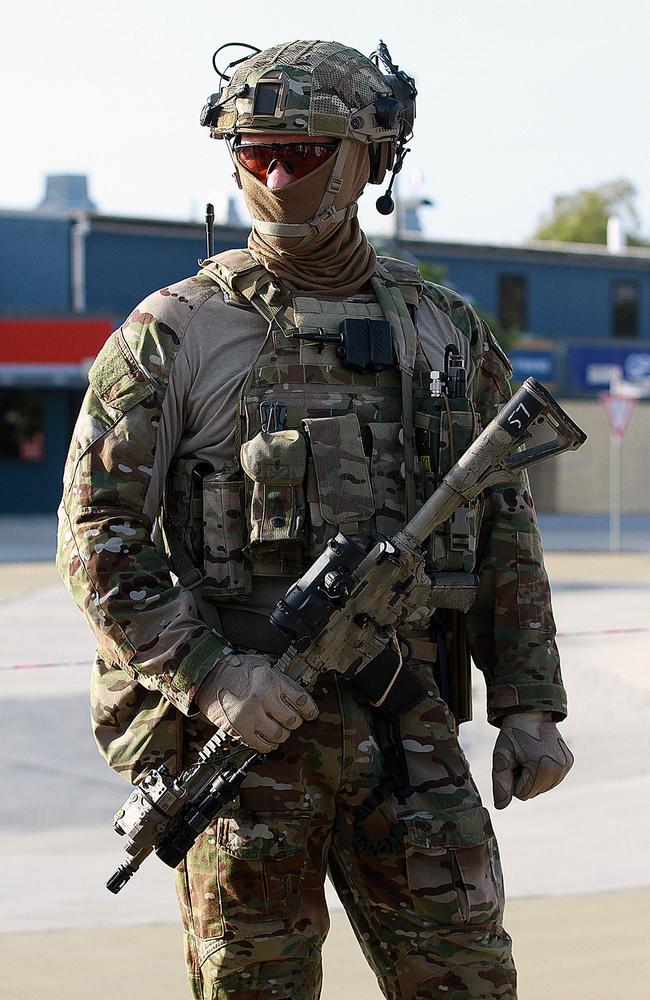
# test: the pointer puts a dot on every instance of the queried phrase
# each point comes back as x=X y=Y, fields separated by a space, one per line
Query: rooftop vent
x=66 y=193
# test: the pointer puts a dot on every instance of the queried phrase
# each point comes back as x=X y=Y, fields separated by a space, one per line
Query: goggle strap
x=326 y=214
x=231 y=149
x=336 y=178
x=305 y=228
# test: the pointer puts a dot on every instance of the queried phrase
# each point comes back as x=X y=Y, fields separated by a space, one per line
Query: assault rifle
x=344 y=614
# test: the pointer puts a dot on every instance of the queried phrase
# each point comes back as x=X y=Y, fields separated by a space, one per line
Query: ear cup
x=382 y=157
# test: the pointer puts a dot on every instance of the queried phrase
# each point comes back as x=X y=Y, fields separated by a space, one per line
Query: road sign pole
x=619 y=410
x=615 y=490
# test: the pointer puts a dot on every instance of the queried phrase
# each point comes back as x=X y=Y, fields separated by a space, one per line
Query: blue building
x=67 y=277
x=579 y=309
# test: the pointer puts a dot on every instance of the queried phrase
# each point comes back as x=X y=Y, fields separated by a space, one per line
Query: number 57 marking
x=514 y=420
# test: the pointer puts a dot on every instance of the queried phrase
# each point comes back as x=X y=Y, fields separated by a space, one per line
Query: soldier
x=185 y=517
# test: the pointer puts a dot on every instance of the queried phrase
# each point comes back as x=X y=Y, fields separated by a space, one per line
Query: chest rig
x=324 y=441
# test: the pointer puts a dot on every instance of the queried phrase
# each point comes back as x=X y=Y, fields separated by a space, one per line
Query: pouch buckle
x=192 y=579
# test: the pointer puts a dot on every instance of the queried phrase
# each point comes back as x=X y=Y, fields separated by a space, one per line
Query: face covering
x=338 y=261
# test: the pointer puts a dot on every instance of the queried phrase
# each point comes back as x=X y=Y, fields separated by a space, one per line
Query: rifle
x=343 y=614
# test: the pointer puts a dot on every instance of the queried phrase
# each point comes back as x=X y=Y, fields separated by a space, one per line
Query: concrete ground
x=567 y=948
x=576 y=860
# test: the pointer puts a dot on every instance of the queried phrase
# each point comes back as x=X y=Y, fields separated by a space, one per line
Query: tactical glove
x=530 y=757
x=253 y=702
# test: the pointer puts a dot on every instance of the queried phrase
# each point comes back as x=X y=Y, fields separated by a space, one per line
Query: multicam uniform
x=172 y=395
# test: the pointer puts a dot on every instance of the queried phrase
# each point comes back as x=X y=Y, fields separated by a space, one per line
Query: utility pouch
x=427 y=440
x=443 y=431
x=341 y=471
x=366 y=345
x=276 y=462
x=384 y=445
x=226 y=567
x=183 y=507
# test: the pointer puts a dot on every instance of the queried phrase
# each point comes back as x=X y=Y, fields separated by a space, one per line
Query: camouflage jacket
x=143 y=408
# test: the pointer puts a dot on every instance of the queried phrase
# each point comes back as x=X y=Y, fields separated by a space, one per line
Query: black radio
x=363 y=345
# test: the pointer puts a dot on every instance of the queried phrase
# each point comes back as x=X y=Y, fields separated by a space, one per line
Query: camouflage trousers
x=420 y=879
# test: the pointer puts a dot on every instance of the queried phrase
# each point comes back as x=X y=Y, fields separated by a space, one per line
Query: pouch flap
x=344 y=491
x=254 y=835
x=450 y=828
x=386 y=440
x=277 y=458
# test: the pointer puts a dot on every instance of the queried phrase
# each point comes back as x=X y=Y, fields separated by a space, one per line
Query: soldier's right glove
x=253 y=702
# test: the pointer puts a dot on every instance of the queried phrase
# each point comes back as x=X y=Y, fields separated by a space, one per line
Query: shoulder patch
x=115 y=376
x=154 y=331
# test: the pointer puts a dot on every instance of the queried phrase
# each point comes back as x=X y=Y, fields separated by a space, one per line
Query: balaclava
x=337 y=261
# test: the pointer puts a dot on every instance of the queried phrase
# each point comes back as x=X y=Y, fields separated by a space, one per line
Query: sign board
x=619 y=410
x=591 y=367
x=539 y=364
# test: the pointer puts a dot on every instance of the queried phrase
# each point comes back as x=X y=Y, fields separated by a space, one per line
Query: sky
x=519 y=100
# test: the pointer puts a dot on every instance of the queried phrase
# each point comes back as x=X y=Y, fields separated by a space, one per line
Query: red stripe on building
x=51 y=341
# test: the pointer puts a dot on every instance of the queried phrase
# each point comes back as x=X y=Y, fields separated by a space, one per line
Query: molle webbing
x=312 y=382
x=396 y=311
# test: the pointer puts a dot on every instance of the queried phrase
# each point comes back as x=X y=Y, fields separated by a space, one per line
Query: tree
x=582 y=217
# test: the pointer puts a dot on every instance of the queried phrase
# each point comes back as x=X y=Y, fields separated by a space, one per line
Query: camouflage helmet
x=315 y=87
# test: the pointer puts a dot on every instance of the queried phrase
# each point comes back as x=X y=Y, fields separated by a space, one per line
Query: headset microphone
x=385 y=204
x=389 y=110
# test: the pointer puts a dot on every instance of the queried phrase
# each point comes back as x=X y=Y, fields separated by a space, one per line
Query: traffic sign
x=619 y=410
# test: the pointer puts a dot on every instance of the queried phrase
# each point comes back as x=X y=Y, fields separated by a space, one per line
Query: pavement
x=577 y=861
x=566 y=948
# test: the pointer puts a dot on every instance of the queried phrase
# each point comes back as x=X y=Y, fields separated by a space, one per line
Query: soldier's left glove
x=529 y=758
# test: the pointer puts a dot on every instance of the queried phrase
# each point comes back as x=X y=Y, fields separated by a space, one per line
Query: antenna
x=209 y=228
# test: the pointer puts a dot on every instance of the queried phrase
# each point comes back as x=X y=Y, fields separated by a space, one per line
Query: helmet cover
x=313 y=87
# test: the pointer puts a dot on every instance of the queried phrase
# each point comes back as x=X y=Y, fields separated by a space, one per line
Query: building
x=68 y=276
x=580 y=309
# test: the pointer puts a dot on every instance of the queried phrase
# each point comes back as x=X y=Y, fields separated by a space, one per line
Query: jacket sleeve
x=510 y=626
x=116 y=574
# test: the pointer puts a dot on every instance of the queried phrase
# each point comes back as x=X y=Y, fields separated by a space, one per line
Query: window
x=21 y=425
x=625 y=309
x=512 y=301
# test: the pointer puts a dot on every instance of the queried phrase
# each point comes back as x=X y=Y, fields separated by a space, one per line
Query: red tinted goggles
x=300 y=158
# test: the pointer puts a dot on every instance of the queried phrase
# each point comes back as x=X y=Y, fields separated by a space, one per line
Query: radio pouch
x=276 y=463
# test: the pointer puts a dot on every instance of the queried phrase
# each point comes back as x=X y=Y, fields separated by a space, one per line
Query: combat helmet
x=319 y=88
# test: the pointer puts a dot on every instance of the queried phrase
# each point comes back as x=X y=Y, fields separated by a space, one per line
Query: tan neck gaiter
x=337 y=262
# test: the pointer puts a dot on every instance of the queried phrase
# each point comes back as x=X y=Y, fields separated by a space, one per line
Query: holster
x=453 y=667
